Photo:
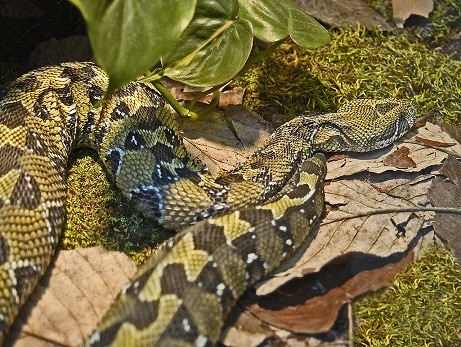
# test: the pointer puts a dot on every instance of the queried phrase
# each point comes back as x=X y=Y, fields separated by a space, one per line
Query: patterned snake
x=237 y=227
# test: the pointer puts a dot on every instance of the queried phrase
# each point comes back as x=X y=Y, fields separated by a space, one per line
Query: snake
x=233 y=228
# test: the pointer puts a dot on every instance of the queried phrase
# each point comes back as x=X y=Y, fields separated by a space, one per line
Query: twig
x=371 y=212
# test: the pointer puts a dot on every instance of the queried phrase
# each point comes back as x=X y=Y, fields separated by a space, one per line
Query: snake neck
x=167 y=185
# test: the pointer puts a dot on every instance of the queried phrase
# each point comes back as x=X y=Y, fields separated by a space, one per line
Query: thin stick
x=451 y=210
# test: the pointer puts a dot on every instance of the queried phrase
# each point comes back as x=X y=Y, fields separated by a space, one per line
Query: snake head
x=393 y=118
x=364 y=125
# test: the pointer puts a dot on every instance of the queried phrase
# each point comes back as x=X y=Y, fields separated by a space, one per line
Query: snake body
x=236 y=227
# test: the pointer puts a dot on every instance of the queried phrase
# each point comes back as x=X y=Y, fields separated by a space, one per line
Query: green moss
x=97 y=214
x=381 y=7
x=88 y=196
x=356 y=63
x=445 y=21
x=421 y=308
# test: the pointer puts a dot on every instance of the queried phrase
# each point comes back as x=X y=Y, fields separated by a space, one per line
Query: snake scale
x=236 y=227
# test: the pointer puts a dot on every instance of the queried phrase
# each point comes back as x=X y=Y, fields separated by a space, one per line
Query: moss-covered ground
x=357 y=63
x=422 y=307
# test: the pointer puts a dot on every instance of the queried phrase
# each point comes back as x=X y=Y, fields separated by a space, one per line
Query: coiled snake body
x=245 y=223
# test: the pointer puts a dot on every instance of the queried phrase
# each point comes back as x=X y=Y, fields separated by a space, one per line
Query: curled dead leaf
x=433 y=143
x=310 y=304
x=447 y=193
x=400 y=159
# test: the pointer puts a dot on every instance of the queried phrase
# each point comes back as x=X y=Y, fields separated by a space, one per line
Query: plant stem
x=182 y=111
x=257 y=57
x=154 y=79
x=210 y=107
x=261 y=55
x=370 y=212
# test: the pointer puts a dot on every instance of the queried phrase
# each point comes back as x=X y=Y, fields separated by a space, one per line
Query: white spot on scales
x=186 y=325
x=220 y=289
x=251 y=257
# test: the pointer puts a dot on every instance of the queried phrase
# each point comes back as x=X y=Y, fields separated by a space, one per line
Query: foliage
x=197 y=42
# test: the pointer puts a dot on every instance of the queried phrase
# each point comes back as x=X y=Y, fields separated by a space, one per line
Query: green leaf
x=213 y=48
x=218 y=61
x=274 y=20
x=129 y=36
x=209 y=18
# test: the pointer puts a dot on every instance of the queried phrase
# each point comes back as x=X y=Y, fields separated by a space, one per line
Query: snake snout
x=408 y=118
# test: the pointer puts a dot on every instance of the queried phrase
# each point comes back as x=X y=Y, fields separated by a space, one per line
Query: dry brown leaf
x=250 y=331
x=233 y=96
x=220 y=145
x=345 y=13
x=453 y=131
x=400 y=159
x=71 y=298
x=181 y=92
x=295 y=306
x=339 y=156
x=249 y=129
x=433 y=143
x=373 y=162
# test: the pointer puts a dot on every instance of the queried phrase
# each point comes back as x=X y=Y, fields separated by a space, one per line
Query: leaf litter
x=349 y=257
